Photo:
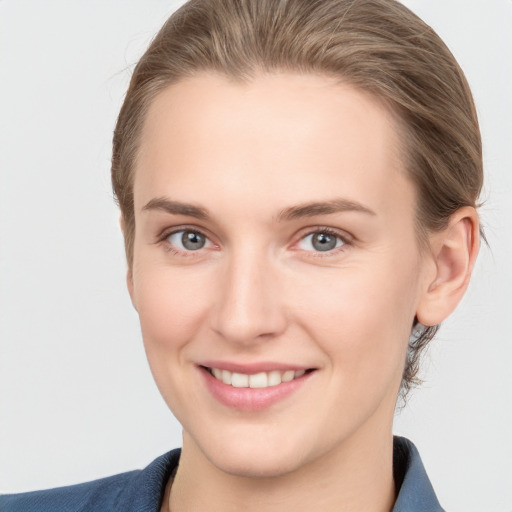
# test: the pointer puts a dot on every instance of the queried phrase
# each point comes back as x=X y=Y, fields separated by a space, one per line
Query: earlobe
x=454 y=250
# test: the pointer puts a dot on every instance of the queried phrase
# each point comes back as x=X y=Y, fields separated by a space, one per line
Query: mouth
x=254 y=387
x=260 y=380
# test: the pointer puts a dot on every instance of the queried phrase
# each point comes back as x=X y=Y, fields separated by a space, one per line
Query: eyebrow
x=338 y=205
x=322 y=208
x=176 y=208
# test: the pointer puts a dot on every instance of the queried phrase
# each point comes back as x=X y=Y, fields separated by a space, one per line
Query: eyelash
x=346 y=241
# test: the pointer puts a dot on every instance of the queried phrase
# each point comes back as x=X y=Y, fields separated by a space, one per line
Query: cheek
x=362 y=320
x=171 y=303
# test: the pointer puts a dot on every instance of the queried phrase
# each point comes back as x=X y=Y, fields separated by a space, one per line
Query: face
x=276 y=267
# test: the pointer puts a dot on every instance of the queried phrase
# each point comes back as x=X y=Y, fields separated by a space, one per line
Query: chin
x=254 y=454
x=265 y=465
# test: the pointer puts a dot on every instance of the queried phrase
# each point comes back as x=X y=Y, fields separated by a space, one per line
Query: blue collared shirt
x=143 y=491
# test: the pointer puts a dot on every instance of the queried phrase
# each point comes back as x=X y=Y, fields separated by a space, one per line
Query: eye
x=321 y=241
x=188 y=240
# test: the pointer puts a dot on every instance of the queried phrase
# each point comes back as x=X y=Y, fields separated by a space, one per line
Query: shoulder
x=140 y=490
x=100 y=494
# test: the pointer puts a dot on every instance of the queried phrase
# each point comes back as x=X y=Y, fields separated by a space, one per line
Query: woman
x=298 y=183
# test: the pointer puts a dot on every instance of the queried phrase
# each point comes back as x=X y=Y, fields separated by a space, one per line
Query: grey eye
x=186 y=240
x=320 y=242
x=323 y=241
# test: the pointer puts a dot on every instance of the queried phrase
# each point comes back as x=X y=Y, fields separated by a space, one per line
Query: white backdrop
x=77 y=400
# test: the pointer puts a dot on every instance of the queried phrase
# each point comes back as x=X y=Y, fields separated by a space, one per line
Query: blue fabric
x=415 y=493
x=135 y=491
x=142 y=491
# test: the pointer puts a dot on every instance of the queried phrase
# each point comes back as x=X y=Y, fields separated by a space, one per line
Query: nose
x=249 y=306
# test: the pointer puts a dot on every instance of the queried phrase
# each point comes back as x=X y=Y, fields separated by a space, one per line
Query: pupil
x=192 y=241
x=324 y=242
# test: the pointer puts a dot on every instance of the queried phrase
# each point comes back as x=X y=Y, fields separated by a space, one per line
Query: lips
x=253 y=387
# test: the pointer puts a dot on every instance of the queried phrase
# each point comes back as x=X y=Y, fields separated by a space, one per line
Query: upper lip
x=252 y=368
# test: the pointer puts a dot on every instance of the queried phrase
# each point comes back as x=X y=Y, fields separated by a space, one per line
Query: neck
x=358 y=476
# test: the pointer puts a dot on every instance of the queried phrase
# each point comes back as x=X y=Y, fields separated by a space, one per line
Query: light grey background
x=77 y=400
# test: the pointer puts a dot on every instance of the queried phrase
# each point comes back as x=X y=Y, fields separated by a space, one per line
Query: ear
x=129 y=272
x=454 y=251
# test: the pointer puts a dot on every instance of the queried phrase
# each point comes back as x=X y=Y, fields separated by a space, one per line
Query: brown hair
x=376 y=45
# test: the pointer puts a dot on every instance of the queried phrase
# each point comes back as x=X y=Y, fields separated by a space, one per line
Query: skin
x=249 y=155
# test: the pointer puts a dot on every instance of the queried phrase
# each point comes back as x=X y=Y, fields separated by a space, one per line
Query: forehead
x=307 y=135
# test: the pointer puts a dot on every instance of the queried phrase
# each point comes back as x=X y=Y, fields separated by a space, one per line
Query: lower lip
x=251 y=399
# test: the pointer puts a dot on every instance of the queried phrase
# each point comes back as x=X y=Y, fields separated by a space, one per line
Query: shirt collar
x=415 y=492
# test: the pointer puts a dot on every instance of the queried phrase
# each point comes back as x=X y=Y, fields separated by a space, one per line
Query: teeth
x=274 y=378
x=239 y=380
x=257 y=380
x=288 y=376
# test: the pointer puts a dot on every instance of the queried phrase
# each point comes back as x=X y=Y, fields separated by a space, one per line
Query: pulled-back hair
x=378 y=46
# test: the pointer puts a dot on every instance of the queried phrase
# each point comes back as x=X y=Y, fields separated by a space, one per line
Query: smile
x=253 y=388
x=257 y=380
